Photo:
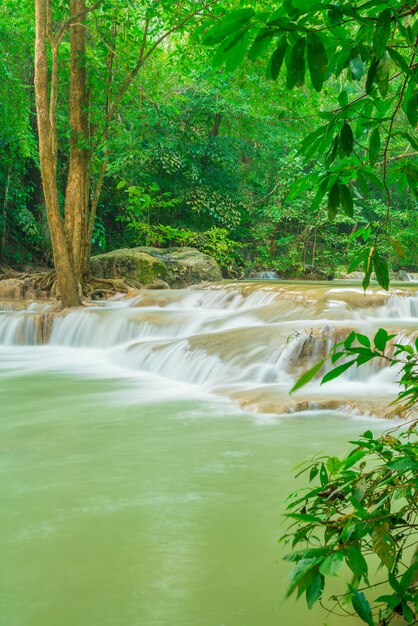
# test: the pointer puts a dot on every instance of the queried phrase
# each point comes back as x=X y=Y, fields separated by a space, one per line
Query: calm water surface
x=134 y=491
x=146 y=513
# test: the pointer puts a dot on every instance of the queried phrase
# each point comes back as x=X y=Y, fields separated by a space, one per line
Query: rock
x=403 y=275
x=11 y=288
x=264 y=275
x=178 y=267
x=132 y=264
x=158 y=284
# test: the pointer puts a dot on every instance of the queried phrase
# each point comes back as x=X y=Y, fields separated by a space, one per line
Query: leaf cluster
x=360 y=507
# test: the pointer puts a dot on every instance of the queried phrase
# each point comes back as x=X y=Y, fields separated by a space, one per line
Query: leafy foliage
x=359 y=507
x=365 y=503
x=367 y=54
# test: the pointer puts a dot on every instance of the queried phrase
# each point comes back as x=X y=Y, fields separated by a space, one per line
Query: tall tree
x=135 y=35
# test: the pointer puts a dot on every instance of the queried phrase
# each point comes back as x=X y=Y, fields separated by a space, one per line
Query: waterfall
x=244 y=341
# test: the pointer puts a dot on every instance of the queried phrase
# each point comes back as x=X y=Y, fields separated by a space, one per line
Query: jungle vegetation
x=141 y=136
x=278 y=137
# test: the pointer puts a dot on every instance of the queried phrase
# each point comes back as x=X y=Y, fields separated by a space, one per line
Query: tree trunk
x=47 y=133
x=76 y=197
x=5 y=204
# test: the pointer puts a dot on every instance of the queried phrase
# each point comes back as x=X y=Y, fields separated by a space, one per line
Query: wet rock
x=11 y=288
x=158 y=284
x=177 y=267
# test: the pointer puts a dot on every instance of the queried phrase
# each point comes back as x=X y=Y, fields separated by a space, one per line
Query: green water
x=146 y=512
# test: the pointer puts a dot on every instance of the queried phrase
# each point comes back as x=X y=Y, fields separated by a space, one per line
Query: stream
x=148 y=444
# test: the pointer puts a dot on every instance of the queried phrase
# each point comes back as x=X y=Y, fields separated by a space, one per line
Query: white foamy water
x=228 y=339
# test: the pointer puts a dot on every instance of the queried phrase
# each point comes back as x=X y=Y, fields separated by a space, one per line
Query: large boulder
x=179 y=267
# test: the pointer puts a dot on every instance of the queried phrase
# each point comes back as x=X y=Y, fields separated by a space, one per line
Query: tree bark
x=46 y=116
x=77 y=185
x=5 y=204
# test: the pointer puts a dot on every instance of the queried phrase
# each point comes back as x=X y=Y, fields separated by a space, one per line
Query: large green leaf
x=381 y=270
x=355 y=560
x=232 y=21
x=317 y=60
x=380 y=339
x=361 y=606
x=333 y=200
x=307 y=376
x=337 y=371
x=235 y=55
x=277 y=57
x=314 y=590
x=346 y=200
x=382 y=32
x=347 y=139
x=260 y=43
x=296 y=66
x=330 y=566
x=374 y=146
x=412 y=109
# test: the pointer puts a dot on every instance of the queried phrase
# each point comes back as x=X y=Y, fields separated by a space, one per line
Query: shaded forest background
x=196 y=156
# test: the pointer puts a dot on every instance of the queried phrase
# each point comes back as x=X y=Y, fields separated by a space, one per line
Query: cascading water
x=225 y=339
x=147 y=446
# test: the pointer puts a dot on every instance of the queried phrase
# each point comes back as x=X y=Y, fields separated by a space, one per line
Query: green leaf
x=346 y=200
x=363 y=340
x=409 y=576
x=411 y=140
x=296 y=67
x=361 y=606
x=323 y=475
x=307 y=376
x=235 y=55
x=400 y=61
x=356 y=261
x=232 y=21
x=374 y=147
x=347 y=139
x=314 y=590
x=353 y=457
x=373 y=179
x=317 y=60
x=383 y=544
x=337 y=371
x=304 y=517
x=358 y=67
x=381 y=269
x=408 y=613
x=368 y=268
x=356 y=561
x=331 y=564
x=412 y=109
x=260 y=43
x=371 y=77
x=121 y=184
x=277 y=57
x=382 y=32
x=349 y=340
x=403 y=465
x=343 y=98
x=380 y=339
x=333 y=200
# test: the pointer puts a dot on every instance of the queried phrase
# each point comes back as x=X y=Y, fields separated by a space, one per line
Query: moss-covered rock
x=179 y=267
